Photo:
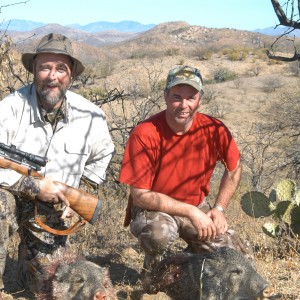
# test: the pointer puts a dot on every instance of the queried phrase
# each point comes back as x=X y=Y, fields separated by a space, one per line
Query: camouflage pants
x=36 y=246
x=8 y=226
x=157 y=231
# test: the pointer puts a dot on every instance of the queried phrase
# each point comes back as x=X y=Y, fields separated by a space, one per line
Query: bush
x=271 y=84
x=172 y=52
x=210 y=93
x=94 y=94
x=233 y=55
x=224 y=74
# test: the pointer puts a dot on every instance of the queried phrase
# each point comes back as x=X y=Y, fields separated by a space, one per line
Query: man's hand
x=203 y=224
x=50 y=192
x=219 y=220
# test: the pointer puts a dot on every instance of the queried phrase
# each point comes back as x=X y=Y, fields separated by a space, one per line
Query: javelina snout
x=221 y=275
x=72 y=277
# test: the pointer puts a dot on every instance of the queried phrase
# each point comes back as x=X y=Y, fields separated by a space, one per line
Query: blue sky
x=239 y=14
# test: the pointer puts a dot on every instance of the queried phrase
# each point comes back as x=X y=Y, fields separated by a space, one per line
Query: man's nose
x=52 y=74
x=184 y=103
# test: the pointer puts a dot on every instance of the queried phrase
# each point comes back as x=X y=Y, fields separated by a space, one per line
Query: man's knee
x=157 y=235
x=153 y=239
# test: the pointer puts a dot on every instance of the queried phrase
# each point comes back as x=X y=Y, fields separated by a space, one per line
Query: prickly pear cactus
x=256 y=204
x=285 y=190
x=283 y=204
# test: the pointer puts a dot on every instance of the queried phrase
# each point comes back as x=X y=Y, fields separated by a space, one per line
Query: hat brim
x=188 y=82
x=27 y=61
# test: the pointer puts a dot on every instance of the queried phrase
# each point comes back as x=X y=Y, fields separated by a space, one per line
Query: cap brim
x=191 y=83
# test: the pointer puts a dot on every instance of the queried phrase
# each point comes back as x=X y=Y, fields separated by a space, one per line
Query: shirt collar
x=38 y=113
x=55 y=115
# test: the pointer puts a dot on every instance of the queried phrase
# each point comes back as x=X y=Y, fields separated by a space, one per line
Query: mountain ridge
x=122 y=26
x=170 y=38
x=97 y=39
x=278 y=30
x=127 y=26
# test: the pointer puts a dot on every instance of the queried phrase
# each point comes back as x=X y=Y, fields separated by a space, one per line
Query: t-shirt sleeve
x=138 y=163
x=229 y=153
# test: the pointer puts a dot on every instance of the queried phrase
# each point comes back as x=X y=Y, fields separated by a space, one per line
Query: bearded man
x=46 y=119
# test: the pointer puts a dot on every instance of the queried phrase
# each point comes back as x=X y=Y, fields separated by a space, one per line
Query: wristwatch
x=219 y=208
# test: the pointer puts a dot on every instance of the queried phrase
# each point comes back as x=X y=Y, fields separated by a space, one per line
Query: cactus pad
x=285 y=190
x=283 y=211
x=297 y=198
x=256 y=204
x=295 y=217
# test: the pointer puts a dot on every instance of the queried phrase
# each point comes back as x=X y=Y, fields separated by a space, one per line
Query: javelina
x=221 y=275
x=72 y=277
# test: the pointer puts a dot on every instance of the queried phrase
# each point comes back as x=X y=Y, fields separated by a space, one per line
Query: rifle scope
x=36 y=159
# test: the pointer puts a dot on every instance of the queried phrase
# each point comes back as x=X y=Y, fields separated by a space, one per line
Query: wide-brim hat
x=184 y=75
x=53 y=43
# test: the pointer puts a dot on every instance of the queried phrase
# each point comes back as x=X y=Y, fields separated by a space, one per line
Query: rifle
x=84 y=204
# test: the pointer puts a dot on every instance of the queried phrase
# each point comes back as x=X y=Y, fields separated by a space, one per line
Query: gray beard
x=50 y=100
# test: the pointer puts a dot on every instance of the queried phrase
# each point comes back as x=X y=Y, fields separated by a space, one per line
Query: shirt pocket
x=77 y=153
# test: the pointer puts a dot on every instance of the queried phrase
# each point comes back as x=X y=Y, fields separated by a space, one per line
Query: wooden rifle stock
x=84 y=204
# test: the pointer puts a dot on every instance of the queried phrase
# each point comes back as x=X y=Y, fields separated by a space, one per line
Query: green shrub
x=233 y=55
x=172 y=51
x=224 y=74
x=94 y=94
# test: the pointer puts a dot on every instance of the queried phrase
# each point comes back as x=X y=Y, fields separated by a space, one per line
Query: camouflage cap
x=184 y=75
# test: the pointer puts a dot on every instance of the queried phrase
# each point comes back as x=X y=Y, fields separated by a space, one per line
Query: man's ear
x=72 y=73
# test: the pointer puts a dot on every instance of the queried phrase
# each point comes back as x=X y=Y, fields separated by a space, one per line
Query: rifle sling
x=72 y=229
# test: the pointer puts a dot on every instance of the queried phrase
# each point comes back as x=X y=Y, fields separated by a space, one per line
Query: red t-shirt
x=180 y=166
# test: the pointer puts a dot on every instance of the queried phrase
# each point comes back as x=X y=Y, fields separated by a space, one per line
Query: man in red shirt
x=168 y=163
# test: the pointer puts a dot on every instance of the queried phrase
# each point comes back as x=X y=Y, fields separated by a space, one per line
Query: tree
x=288 y=14
x=282 y=16
x=12 y=75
